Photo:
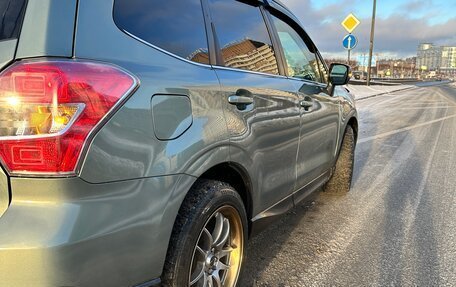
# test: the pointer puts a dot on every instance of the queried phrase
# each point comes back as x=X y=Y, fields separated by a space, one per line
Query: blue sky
x=401 y=24
x=434 y=12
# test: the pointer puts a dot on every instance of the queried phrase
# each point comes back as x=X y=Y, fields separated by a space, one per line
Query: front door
x=319 y=110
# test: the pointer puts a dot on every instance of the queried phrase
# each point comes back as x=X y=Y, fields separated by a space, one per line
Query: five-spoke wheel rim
x=217 y=256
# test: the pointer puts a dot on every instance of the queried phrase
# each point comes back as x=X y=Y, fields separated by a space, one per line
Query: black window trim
x=322 y=61
x=281 y=62
x=210 y=33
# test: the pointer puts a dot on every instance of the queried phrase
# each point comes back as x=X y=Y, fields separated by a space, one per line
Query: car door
x=262 y=109
x=319 y=110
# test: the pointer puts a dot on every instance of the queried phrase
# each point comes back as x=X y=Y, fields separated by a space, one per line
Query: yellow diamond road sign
x=350 y=23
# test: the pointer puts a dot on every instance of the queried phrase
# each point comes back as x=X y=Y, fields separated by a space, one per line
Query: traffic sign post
x=349 y=42
x=350 y=23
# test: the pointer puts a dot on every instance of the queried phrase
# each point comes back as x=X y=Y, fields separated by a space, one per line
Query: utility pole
x=371 y=48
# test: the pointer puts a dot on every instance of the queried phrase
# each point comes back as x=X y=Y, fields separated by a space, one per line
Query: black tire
x=341 y=179
x=201 y=208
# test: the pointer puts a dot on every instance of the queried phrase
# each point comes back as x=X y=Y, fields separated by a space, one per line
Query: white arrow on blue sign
x=350 y=42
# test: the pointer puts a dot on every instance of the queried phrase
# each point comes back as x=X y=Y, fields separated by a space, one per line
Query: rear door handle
x=236 y=100
x=306 y=104
x=241 y=102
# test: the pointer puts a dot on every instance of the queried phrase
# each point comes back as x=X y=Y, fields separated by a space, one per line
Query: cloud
x=397 y=35
x=417 y=5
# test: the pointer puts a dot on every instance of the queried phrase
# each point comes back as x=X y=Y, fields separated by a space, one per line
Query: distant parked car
x=359 y=75
x=142 y=142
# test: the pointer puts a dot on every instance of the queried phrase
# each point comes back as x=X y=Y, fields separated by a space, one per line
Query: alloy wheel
x=217 y=256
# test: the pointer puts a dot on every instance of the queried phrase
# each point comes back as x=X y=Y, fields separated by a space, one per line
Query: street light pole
x=371 y=48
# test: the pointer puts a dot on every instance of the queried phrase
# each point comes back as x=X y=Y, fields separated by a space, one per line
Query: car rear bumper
x=67 y=232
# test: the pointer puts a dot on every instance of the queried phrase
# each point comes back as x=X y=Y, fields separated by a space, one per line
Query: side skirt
x=270 y=215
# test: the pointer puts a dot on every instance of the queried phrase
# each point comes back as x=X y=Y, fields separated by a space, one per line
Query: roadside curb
x=400 y=90
x=385 y=93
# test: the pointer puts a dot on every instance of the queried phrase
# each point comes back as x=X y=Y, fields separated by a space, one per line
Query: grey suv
x=143 y=141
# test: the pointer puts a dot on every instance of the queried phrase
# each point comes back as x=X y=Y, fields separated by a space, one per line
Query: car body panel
x=110 y=157
x=347 y=110
x=7 y=51
x=48 y=29
x=67 y=232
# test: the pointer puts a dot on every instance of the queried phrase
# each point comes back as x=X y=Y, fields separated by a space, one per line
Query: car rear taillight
x=49 y=108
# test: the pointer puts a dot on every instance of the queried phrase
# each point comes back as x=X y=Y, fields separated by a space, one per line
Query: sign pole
x=371 y=48
x=349 y=43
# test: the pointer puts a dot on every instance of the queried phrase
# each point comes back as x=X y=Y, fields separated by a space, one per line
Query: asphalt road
x=397 y=227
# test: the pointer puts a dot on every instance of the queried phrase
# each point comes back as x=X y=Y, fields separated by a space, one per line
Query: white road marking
x=363 y=140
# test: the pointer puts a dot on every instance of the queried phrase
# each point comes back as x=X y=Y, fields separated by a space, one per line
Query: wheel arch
x=353 y=122
x=228 y=172
x=236 y=176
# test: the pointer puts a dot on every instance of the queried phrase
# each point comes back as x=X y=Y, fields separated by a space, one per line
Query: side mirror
x=338 y=74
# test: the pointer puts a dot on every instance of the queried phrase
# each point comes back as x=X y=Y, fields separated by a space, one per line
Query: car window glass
x=243 y=36
x=11 y=16
x=301 y=62
x=174 y=25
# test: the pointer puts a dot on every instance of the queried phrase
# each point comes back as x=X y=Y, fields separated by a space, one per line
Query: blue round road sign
x=350 y=42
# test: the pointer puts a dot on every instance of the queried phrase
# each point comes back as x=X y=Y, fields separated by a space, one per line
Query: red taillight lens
x=49 y=108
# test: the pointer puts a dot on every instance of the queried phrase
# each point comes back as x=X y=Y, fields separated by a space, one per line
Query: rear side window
x=174 y=25
x=243 y=36
x=11 y=16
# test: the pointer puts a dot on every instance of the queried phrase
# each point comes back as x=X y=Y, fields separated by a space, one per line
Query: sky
x=400 y=24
